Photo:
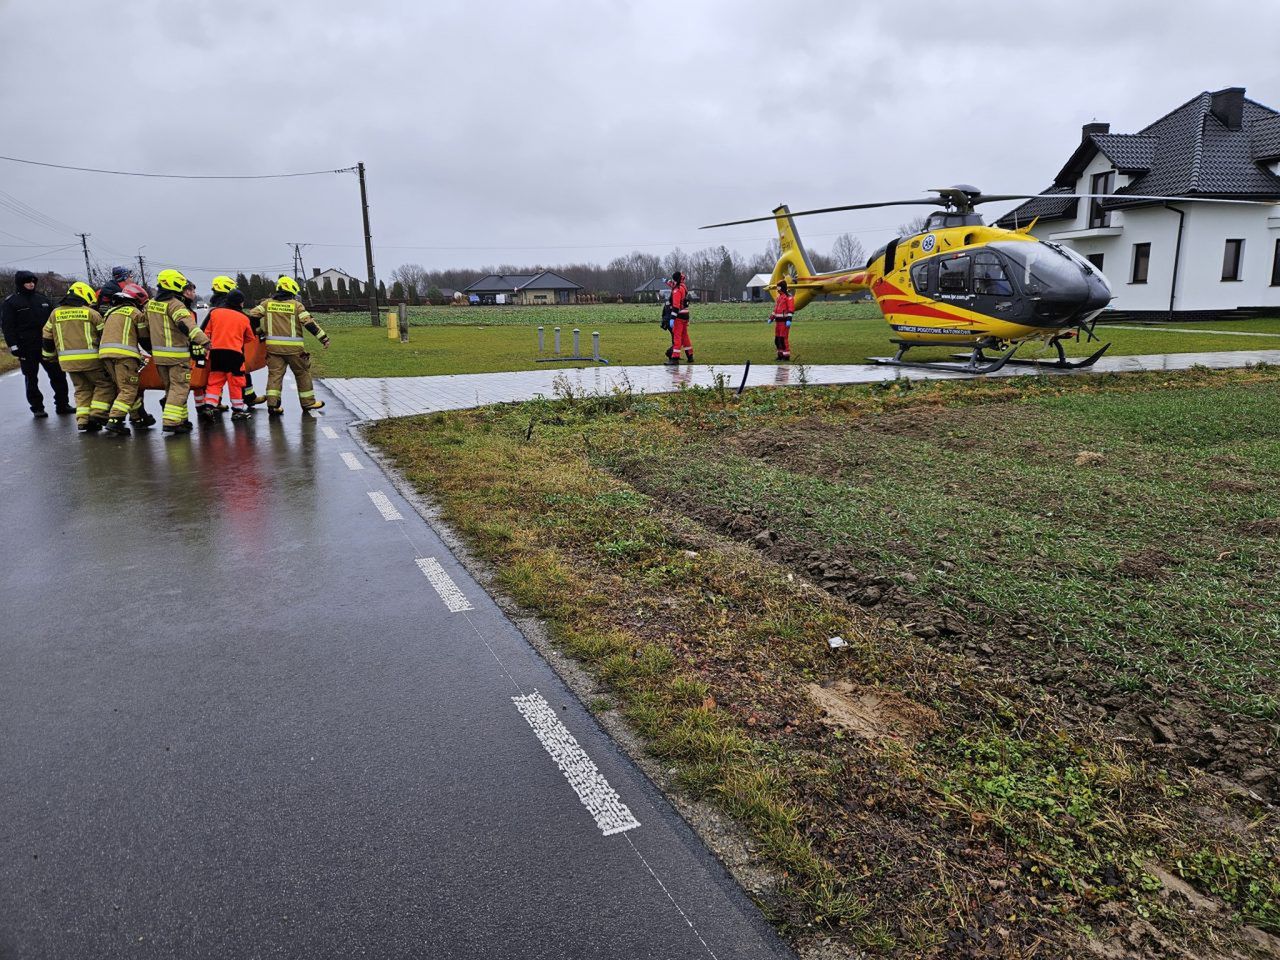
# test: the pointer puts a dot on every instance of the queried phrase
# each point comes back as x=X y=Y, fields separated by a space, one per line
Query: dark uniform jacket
x=23 y=315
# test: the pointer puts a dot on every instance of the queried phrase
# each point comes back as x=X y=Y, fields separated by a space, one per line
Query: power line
x=180 y=176
x=48 y=255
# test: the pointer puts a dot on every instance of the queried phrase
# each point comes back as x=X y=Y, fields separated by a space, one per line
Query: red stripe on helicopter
x=911 y=309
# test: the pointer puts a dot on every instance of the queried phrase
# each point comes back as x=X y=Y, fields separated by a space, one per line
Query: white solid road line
x=601 y=800
x=384 y=505
x=329 y=432
x=352 y=462
x=453 y=598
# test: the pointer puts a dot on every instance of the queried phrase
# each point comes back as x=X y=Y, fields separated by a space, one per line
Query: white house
x=333 y=275
x=1167 y=259
x=757 y=287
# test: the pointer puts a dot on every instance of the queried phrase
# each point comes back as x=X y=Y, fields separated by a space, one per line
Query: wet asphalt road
x=236 y=720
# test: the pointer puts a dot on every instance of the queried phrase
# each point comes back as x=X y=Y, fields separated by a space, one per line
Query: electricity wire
x=180 y=176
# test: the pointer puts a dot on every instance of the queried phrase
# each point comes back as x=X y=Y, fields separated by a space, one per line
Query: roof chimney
x=315 y=271
x=1228 y=106
x=1089 y=129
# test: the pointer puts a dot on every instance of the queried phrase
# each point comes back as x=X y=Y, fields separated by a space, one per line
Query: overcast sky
x=534 y=132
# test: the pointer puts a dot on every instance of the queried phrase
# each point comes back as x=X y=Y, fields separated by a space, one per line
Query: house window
x=1100 y=183
x=1141 y=262
x=1096 y=260
x=1231 y=257
x=1275 y=266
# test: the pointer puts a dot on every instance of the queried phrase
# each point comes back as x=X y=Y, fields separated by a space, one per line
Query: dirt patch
x=1266 y=527
x=1233 y=485
x=872 y=713
x=1152 y=564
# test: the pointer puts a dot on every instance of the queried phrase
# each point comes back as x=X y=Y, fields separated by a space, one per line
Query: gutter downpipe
x=1177 y=256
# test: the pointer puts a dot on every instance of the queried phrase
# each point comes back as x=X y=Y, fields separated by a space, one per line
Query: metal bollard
x=595 y=345
x=542 y=340
x=557 y=341
x=576 y=331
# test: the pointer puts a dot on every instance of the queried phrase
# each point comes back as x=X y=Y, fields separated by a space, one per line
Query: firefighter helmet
x=223 y=284
x=84 y=292
x=132 y=292
x=288 y=285
x=172 y=280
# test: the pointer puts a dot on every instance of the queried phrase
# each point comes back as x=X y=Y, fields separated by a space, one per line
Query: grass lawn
x=722 y=334
x=1055 y=719
x=7 y=361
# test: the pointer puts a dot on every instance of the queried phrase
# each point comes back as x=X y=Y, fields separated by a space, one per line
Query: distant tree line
x=717 y=273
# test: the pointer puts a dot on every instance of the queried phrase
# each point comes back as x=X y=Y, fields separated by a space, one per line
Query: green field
x=727 y=334
x=1057 y=715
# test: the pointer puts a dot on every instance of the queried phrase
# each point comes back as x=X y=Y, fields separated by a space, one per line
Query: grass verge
x=1052 y=724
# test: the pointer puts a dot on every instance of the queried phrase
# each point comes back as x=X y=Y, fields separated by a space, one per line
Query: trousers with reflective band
x=94 y=393
x=300 y=364
x=177 y=383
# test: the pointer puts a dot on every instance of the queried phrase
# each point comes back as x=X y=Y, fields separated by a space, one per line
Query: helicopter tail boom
x=795 y=267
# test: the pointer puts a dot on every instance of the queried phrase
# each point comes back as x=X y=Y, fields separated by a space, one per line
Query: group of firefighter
x=675 y=318
x=103 y=340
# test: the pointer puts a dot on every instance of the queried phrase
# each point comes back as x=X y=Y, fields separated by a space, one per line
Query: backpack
x=667 y=315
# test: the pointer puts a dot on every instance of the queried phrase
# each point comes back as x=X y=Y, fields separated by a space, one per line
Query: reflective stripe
x=100 y=405
x=117 y=350
x=306 y=393
x=119 y=409
x=82 y=411
x=80 y=354
x=169 y=354
x=273 y=393
x=283 y=340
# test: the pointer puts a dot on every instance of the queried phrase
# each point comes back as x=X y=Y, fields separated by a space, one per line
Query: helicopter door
x=954 y=282
x=992 y=289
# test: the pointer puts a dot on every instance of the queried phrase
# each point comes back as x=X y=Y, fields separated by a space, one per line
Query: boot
x=315 y=406
x=255 y=400
x=690 y=356
x=241 y=415
x=90 y=426
x=63 y=409
x=39 y=413
x=173 y=428
x=276 y=411
x=144 y=421
x=206 y=411
x=116 y=425
x=186 y=426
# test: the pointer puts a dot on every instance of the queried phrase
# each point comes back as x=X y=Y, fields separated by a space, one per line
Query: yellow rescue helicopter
x=961 y=283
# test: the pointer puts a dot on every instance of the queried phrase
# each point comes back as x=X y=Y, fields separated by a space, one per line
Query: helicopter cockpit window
x=1040 y=267
x=989 y=277
x=953 y=276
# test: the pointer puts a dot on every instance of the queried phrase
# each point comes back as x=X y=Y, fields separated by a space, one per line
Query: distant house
x=524 y=289
x=333 y=275
x=1165 y=258
x=652 y=291
x=757 y=288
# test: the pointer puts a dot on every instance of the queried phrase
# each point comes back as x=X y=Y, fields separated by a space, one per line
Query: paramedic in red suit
x=679 y=319
x=783 y=310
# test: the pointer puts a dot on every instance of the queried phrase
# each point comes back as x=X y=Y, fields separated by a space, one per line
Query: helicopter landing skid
x=1062 y=363
x=977 y=362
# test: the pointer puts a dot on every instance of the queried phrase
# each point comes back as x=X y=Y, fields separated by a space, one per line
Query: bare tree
x=847 y=252
x=413 y=277
x=913 y=226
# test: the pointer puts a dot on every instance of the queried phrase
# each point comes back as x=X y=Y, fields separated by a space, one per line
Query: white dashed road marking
x=384 y=505
x=352 y=462
x=601 y=800
x=453 y=598
x=329 y=432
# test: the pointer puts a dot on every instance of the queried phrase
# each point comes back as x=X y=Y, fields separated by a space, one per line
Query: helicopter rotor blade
x=928 y=202
x=985 y=198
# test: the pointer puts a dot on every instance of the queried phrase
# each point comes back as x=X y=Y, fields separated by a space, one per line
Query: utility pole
x=368 y=248
x=84 y=245
x=299 y=268
x=142 y=270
